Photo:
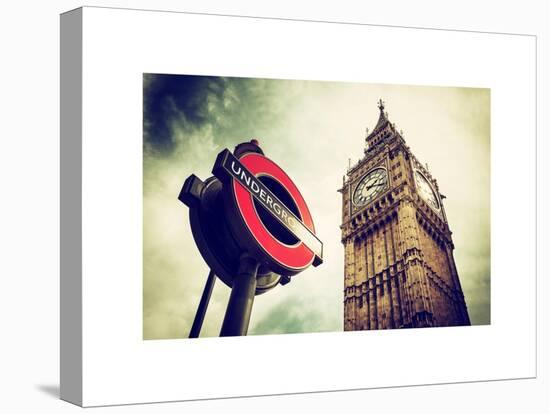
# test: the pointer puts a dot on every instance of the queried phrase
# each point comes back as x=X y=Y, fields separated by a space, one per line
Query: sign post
x=203 y=305
x=239 y=307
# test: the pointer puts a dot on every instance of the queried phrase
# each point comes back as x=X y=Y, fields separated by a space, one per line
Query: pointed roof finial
x=382 y=119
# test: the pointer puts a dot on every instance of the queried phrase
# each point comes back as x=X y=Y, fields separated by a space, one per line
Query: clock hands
x=366 y=189
x=376 y=184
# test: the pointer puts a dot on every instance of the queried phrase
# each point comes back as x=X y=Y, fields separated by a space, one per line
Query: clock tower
x=399 y=268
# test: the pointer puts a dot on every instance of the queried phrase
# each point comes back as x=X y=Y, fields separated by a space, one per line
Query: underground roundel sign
x=266 y=208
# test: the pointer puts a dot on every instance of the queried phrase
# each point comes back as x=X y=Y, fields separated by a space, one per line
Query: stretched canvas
x=285 y=206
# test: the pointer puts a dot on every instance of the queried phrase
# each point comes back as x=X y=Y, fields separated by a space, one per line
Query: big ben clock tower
x=399 y=266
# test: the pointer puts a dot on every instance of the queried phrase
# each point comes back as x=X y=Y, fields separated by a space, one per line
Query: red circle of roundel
x=297 y=256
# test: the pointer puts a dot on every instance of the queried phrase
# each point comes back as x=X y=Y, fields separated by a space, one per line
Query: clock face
x=370 y=186
x=426 y=191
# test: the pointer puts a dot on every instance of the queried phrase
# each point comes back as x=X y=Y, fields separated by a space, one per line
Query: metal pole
x=203 y=305
x=239 y=308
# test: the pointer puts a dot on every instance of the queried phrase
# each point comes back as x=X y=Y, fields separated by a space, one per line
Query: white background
x=29 y=357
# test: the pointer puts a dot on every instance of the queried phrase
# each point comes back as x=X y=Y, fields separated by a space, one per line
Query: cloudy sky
x=310 y=129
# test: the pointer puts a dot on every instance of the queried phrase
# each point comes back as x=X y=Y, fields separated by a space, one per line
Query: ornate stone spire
x=382 y=120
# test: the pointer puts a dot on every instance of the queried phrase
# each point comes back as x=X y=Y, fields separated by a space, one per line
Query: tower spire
x=382 y=119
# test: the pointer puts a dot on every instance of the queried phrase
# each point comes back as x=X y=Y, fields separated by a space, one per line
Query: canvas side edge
x=71 y=206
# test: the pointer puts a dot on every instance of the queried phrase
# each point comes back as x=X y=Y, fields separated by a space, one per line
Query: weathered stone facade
x=399 y=266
